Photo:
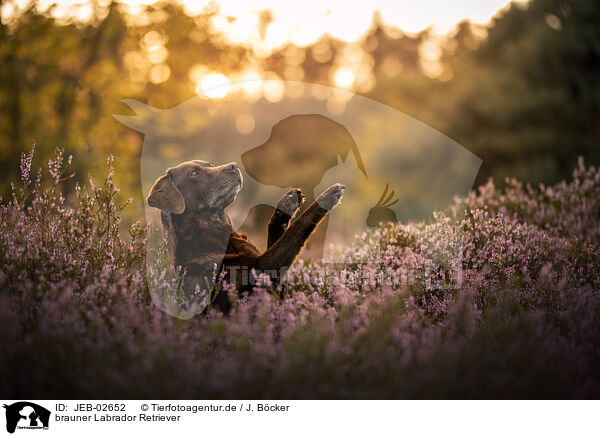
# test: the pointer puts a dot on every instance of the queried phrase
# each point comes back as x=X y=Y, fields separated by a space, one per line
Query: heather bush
x=519 y=321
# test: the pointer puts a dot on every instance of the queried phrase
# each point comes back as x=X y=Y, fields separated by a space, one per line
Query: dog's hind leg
x=286 y=208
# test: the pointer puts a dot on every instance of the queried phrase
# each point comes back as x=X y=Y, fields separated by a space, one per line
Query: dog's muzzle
x=233 y=169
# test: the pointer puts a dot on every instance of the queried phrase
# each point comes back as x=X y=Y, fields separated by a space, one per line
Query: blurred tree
x=527 y=99
x=62 y=81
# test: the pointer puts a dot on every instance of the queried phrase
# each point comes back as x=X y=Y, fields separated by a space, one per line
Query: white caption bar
x=299 y=417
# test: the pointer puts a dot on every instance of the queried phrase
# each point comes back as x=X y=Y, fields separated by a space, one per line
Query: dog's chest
x=195 y=237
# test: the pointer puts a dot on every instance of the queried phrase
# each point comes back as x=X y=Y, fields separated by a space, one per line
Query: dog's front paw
x=291 y=201
x=331 y=197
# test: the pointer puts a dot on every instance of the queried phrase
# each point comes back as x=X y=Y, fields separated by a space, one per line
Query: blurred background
x=518 y=84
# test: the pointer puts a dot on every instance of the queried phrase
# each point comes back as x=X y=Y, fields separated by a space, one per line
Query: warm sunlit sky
x=303 y=22
x=299 y=22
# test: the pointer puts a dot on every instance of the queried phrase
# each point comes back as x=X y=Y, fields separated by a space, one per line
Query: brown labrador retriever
x=192 y=198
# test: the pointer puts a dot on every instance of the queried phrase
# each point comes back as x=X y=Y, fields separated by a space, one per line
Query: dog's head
x=196 y=186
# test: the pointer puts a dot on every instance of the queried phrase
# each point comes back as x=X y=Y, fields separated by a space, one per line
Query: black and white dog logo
x=26 y=415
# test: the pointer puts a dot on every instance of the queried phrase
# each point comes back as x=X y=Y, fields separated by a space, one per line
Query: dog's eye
x=194 y=173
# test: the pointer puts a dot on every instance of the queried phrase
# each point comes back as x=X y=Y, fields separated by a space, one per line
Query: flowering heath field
x=522 y=321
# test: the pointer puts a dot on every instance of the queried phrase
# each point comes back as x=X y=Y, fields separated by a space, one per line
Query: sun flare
x=214 y=85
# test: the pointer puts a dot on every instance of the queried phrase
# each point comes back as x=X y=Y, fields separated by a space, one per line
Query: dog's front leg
x=283 y=252
x=286 y=208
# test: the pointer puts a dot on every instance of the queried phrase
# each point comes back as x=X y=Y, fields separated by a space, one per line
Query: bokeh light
x=251 y=85
x=245 y=123
x=215 y=85
x=160 y=73
x=343 y=77
x=273 y=89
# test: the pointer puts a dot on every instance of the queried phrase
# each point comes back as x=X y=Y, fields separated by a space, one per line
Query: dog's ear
x=164 y=195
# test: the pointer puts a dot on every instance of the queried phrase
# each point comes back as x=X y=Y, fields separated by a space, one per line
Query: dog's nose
x=230 y=167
